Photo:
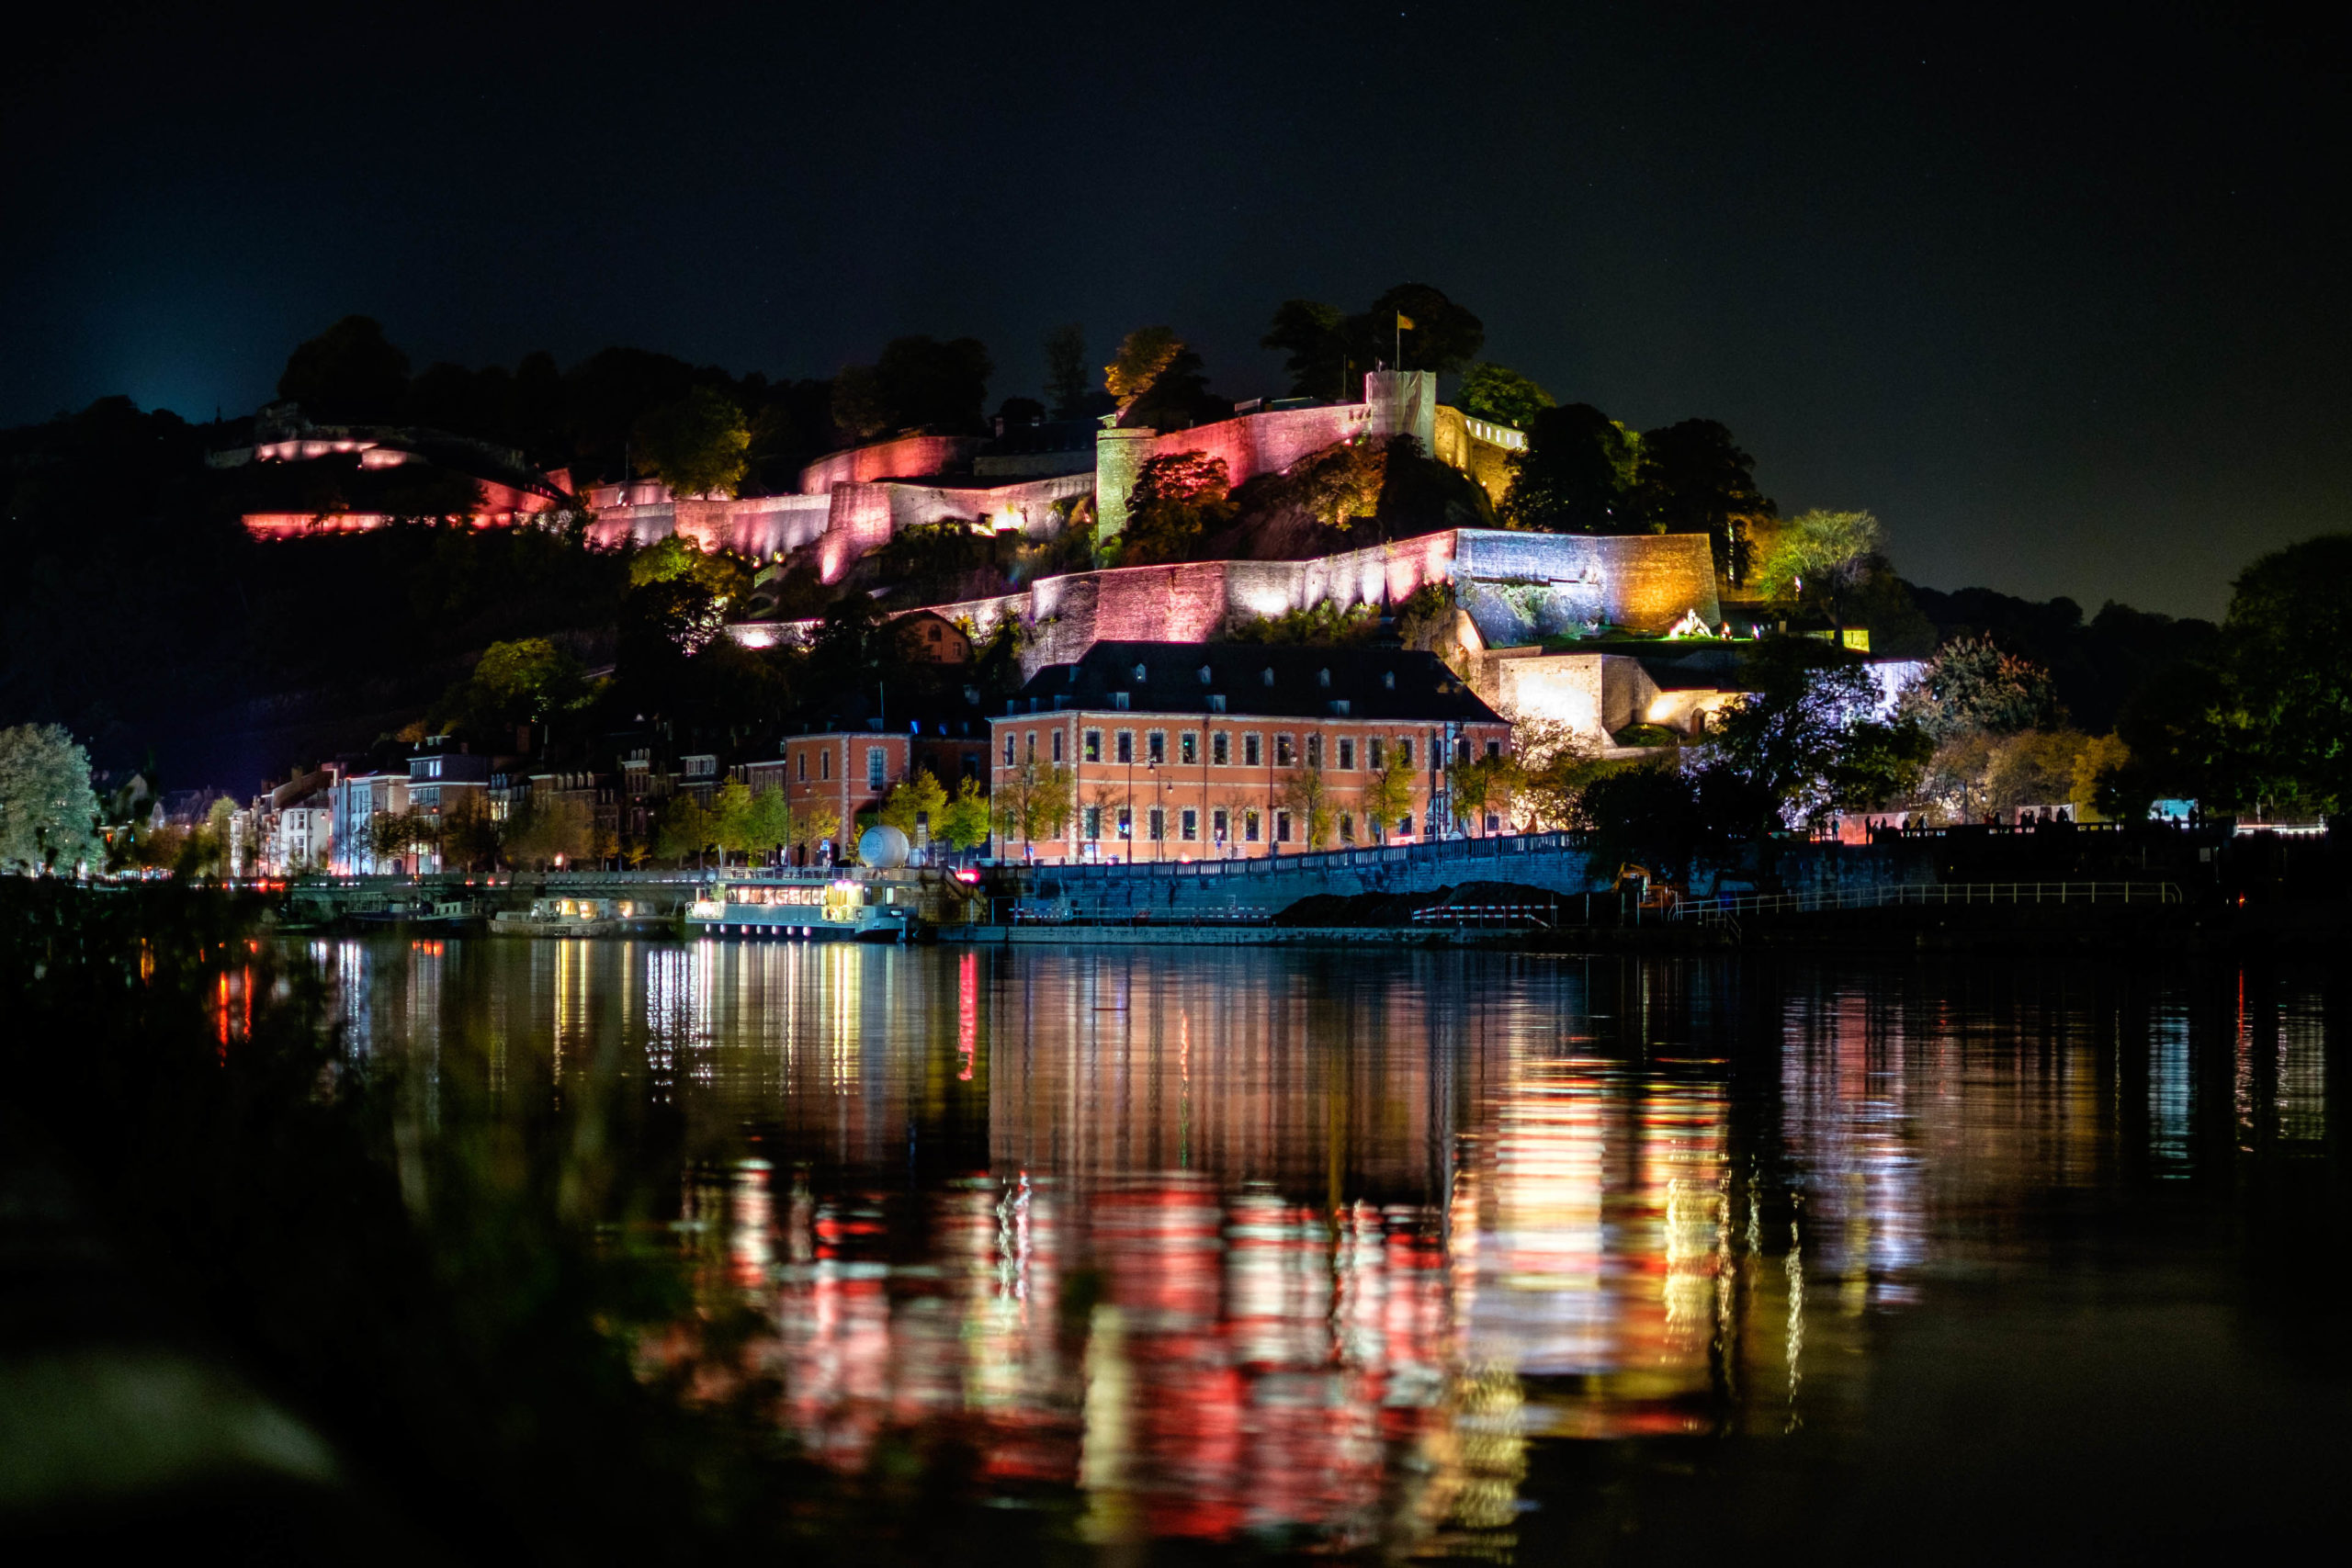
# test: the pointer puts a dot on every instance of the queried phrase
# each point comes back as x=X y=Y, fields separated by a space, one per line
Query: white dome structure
x=884 y=847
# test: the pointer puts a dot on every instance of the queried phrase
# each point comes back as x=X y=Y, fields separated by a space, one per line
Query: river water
x=1484 y=1255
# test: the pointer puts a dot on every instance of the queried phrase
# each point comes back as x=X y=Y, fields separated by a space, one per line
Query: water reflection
x=1298 y=1246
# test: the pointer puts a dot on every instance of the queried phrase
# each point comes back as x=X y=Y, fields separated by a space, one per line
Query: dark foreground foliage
x=457 y=1317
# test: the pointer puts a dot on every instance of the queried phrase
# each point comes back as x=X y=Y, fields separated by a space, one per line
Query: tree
x=1144 y=353
x=2288 y=642
x=1175 y=500
x=1067 y=380
x=551 y=832
x=962 y=822
x=1307 y=795
x=1491 y=391
x=470 y=837
x=1818 y=558
x=812 y=827
x=1971 y=685
x=1388 y=793
x=1693 y=479
x=696 y=446
x=1312 y=339
x=924 y=381
x=1481 y=785
x=348 y=374
x=1576 y=475
x=1807 y=734
x=1444 y=336
x=913 y=803
x=687 y=829
x=398 y=835
x=860 y=412
x=48 y=813
x=1035 y=802
x=771 y=824
x=1326 y=353
x=1341 y=482
x=734 y=827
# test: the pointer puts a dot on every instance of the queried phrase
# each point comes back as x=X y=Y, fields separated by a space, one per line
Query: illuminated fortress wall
x=1514 y=586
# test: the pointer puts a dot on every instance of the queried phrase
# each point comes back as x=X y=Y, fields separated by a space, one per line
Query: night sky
x=2061 y=299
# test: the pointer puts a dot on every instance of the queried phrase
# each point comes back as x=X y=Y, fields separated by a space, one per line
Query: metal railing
x=1546 y=915
x=1730 y=907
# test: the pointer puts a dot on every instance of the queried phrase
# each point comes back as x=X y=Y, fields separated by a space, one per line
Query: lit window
x=1219 y=824
x=1188 y=747
x=1155 y=747
x=1188 y=825
x=1091 y=747
x=1284 y=752
x=1250 y=827
x=877 y=766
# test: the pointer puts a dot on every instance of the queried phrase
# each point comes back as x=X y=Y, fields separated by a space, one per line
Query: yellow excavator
x=1650 y=893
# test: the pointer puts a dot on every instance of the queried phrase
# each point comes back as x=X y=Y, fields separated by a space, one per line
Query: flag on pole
x=1404 y=322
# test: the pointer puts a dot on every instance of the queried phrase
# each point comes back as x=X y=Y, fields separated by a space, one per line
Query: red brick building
x=1193 y=751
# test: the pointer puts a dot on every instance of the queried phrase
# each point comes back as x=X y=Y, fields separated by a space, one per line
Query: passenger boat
x=838 y=910
x=580 y=916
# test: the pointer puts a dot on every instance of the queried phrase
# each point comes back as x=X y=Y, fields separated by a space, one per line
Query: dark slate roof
x=1273 y=680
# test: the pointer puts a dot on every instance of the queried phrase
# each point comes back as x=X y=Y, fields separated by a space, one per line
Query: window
x=1188 y=747
x=1285 y=753
x=1216 y=702
x=1188 y=825
x=1346 y=754
x=1126 y=823
x=1204 y=674
x=1058 y=745
x=1127 y=743
x=1032 y=745
x=1251 y=752
x=1091 y=748
x=1462 y=750
x=1008 y=749
x=1404 y=754
x=804 y=767
x=1371 y=754
x=1494 y=748
x=1266 y=676
x=1219 y=824
x=1250 y=827
x=1323 y=678
x=1347 y=828
x=1389 y=680
x=877 y=766
x=1405 y=826
x=1281 y=827
x=825 y=762
x=1091 y=822
x=1156 y=824
x=1315 y=750
x=1119 y=701
x=1155 y=747
x=1141 y=676
x=1220 y=752
x=1494 y=823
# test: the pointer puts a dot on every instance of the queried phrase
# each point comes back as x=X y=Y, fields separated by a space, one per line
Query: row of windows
x=877 y=766
x=1221 y=825
x=1345 y=753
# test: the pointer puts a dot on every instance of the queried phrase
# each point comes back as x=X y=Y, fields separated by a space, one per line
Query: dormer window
x=1204 y=674
x=1323 y=677
x=1389 y=680
x=1139 y=675
x=1119 y=701
x=1266 y=676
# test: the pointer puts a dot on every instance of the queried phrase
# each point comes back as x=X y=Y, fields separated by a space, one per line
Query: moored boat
x=840 y=909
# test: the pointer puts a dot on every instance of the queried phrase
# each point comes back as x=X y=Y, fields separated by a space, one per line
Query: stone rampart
x=909 y=457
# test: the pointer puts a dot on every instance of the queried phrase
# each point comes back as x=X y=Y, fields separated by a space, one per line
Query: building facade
x=1154 y=751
